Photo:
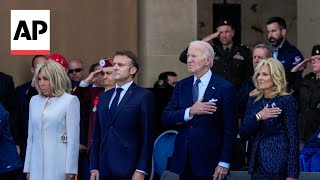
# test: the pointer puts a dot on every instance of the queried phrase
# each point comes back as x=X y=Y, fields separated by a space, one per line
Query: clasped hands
x=200 y=108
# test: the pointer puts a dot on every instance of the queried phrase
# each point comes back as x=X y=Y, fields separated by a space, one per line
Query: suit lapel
x=124 y=100
x=187 y=92
x=211 y=89
x=104 y=105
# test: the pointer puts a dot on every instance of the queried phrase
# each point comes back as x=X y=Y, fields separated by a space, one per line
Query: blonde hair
x=278 y=77
x=57 y=76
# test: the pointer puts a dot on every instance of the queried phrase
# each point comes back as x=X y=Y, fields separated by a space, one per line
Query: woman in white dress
x=53 y=134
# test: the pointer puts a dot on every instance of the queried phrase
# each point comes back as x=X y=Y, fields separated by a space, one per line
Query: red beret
x=59 y=59
x=107 y=62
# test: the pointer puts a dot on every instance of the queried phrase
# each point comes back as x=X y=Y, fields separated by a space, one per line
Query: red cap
x=107 y=62
x=59 y=59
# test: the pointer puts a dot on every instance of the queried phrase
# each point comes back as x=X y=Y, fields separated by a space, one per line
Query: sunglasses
x=70 y=71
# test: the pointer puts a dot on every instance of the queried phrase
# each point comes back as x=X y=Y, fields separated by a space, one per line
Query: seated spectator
x=166 y=80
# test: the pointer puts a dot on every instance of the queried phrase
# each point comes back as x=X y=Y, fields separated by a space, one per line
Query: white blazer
x=53 y=137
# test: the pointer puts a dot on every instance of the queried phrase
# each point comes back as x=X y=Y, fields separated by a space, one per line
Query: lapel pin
x=213 y=88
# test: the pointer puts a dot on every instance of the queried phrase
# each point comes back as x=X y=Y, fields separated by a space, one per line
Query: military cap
x=315 y=50
x=107 y=62
x=223 y=21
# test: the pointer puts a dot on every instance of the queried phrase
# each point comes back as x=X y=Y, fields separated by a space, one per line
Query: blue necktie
x=195 y=91
x=114 y=103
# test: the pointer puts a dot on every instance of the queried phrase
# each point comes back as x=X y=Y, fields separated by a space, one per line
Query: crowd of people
x=239 y=110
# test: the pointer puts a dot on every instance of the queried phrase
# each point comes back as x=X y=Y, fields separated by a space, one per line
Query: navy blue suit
x=123 y=144
x=205 y=140
x=275 y=149
x=9 y=158
x=290 y=56
x=9 y=100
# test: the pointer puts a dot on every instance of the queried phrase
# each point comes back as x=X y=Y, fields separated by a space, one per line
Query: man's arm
x=172 y=115
x=183 y=56
x=147 y=118
x=229 y=110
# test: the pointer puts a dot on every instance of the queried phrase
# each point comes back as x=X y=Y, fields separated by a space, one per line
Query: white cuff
x=83 y=84
x=142 y=172
x=224 y=164
x=186 y=115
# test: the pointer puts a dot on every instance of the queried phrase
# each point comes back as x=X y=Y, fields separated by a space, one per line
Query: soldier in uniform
x=232 y=61
x=282 y=50
x=309 y=96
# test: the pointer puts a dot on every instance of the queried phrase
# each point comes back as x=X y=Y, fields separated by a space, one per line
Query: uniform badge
x=297 y=60
x=95 y=104
x=238 y=56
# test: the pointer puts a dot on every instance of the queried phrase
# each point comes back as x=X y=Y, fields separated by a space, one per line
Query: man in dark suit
x=121 y=141
x=202 y=107
x=9 y=100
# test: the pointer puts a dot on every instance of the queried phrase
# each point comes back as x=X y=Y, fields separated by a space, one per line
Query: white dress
x=53 y=137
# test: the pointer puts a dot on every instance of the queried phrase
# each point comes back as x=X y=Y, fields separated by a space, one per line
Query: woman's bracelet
x=258 y=116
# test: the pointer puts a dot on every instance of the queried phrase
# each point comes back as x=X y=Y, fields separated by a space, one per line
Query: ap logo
x=30 y=32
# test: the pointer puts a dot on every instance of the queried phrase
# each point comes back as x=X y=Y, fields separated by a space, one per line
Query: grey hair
x=208 y=50
x=266 y=47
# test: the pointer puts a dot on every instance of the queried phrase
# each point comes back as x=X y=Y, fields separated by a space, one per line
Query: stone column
x=165 y=29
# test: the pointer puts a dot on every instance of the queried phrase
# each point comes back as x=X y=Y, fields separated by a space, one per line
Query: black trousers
x=187 y=173
x=11 y=175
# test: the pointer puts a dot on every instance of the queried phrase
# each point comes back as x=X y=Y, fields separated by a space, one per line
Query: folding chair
x=163 y=149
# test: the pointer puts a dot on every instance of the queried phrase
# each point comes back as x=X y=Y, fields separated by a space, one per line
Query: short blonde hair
x=57 y=76
x=277 y=74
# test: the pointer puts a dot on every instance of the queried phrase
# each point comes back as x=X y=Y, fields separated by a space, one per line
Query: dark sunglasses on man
x=70 y=71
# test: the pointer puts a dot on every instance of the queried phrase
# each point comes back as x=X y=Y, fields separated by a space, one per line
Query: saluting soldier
x=232 y=61
x=309 y=98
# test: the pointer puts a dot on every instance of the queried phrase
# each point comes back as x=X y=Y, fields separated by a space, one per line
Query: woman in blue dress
x=272 y=122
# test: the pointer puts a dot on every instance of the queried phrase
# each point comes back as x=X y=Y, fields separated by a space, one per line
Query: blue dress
x=275 y=150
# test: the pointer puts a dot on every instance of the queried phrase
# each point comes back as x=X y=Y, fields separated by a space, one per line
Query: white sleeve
x=73 y=135
x=27 y=162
